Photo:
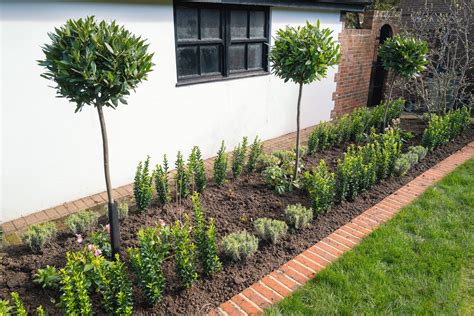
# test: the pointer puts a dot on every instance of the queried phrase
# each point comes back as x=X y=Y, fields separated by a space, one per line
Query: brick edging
x=290 y=276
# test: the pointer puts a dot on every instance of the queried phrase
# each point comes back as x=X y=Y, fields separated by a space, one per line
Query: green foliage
x=185 y=252
x=161 y=182
x=112 y=284
x=405 y=56
x=238 y=158
x=411 y=157
x=47 y=277
x=239 y=246
x=147 y=261
x=82 y=222
x=441 y=130
x=270 y=229
x=75 y=284
x=321 y=186
x=277 y=179
x=19 y=308
x=420 y=151
x=101 y=240
x=319 y=137
x=40 y=311
x=220 y=166
x=93 y=61
x=266 y=160
x=143 y=185
x=205 y=239
x=402 y=165
x=303 y=54
x=36 y=236
x=256 y=150
x=181 y=177
x=394 y=110
x=197 y=173
x=298 y=216
x=5 y=307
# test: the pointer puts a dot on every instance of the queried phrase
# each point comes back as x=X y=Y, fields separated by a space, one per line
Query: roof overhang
x=347 y=5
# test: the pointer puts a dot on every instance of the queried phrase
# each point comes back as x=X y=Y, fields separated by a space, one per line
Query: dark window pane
x=210 y=59
x=238 y=24
x=237 y=57
x=187 y=61
x=257 y=24
x=255 y=56
x=187 y=23
x=210 y=24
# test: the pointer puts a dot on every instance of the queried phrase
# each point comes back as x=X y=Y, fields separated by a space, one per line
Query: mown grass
x=420 y=262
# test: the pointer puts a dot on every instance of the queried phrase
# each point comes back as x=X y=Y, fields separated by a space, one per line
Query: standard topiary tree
x=405 y=57
x=303 y=55
x=97 y=64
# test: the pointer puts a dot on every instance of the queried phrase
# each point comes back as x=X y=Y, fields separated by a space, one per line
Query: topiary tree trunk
x=298 y=113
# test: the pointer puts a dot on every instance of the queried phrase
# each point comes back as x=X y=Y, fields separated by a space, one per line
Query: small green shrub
x=411 y=157
x=197 y=173
x=40 y=311
x=420 y=151
x=321 y=186
x=402 y=165
x=82 y=222
x=185 y=252
x=111 y=281
x=270 y=229
x=5 y=307
x=75 y=285
x=47 y=277
x=101 y=240
x=298 y=216
x=267 y=160
x=441 y=130
x=161 y=182
x=256 y=149
x=147 y=261
x=359 y=123
x=240 y=245
x=36 y=236
x=220 y=166
x=143 y=185
x=181 y=177
x=238 y=158
x=277 y=179
x=205 y=239
x=319 y=138
x=19 y=308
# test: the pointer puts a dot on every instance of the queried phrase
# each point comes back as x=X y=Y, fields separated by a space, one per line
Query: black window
x=219 y=42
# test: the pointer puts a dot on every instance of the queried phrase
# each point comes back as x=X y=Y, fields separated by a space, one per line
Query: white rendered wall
x=50 y=155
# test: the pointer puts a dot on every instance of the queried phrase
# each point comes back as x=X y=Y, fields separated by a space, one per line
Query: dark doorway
x=378 y=74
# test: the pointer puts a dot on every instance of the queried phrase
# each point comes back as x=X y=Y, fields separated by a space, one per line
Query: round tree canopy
x=405 y=56
x=303 y=54
x=95 y=62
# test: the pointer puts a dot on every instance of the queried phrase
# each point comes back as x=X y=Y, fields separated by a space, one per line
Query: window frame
x=226 y=41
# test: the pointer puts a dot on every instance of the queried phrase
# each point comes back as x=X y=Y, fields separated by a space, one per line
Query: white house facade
x=211 y=82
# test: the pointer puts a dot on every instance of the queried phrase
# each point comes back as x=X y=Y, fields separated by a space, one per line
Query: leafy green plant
x=5 y=307
x=82 y=222
x=75 y=284
x=411 y=157
x=112 y=284
x=256 y=149
x=19 y=308
x=270 y=229
x=143 y=185
x=47 y=277
x=185 y=252
x=321 y=186
x=36 y=236
x=442 y=129
x=181 y=177
x=40 y=311
x=196 y=171
x=298 y=216
x=98 y=64
x=239 y=246
x=402 y=165
x=147 y=261
x=319 y=137
x=100 y=240
x=277 y=179
x=303 y=55
x=266 y=160
x=161 y=182
x=205 y=239
x=420 y=151
x=220 y=166
x=238 y=158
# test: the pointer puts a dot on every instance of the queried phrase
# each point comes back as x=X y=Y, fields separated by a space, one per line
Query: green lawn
x=421 y=262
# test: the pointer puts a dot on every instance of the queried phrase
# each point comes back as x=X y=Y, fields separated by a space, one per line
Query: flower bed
x=234 y=206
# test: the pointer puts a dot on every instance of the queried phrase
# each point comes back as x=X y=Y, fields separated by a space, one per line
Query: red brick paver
x=291 y=275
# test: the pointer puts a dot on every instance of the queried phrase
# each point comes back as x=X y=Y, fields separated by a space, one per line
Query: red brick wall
x=358 y=53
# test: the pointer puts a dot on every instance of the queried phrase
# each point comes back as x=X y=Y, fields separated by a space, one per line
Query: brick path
x=287 y=278
x=13 y=228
